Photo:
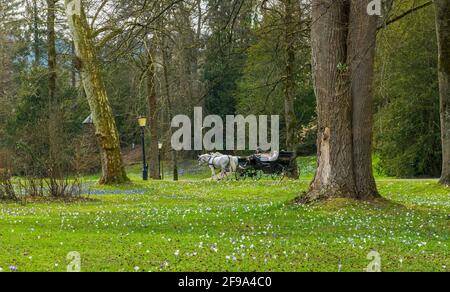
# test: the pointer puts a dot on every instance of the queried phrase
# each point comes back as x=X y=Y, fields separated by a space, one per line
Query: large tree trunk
x=153 y=109
x=113 y=170
x=343 y=71
x=361 y=56
x=290 y=27
x=334 y=176
x=443 y=32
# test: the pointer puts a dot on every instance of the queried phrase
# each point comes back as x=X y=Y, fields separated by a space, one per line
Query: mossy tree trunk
x=113 y=171
x=343 y=42
x=443 y=32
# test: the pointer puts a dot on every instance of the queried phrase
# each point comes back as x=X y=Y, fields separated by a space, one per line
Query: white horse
x=226 y=163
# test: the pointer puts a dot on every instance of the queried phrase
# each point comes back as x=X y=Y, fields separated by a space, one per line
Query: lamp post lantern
x=142 y=124
x=161 y=170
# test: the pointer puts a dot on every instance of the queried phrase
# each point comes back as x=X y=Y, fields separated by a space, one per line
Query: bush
x=31 y=187
x=63 y=187
x=7 y=191
x=377 y=163
x=48 y=188
x=42 y=188
x=408 y=138
x=407 y=126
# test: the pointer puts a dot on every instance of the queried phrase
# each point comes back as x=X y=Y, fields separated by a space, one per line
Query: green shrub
x=407 y=132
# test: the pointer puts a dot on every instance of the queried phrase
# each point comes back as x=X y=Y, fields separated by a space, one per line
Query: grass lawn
x=198 y=225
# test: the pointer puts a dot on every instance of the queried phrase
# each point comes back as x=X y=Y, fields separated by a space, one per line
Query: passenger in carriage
x=266 y=157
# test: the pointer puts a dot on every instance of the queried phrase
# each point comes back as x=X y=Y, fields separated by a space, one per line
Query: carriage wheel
x=277 y=172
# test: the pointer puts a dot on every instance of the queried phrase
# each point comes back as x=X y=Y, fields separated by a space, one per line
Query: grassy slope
x=197 y=225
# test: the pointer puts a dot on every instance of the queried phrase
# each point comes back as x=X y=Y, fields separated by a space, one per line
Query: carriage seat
x=269 y=157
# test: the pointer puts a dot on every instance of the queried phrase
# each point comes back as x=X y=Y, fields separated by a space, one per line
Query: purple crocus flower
x=13 y=268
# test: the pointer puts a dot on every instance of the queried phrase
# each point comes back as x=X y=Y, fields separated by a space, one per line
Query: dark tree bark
x=165 y=56
x=290 y=27
x=343 y=41
x=153 y=110
x=36 y=34
x=51 y=50
x=55 y=128
x=334 y=176
x=443 y=32
x=361 y=57
x=113 y=170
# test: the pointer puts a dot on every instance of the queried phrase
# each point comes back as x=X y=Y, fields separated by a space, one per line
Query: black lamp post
x=142 y=124
x=161 y=170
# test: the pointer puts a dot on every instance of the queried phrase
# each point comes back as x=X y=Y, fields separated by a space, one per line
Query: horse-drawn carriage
x=275 y=165
x=256 y=166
